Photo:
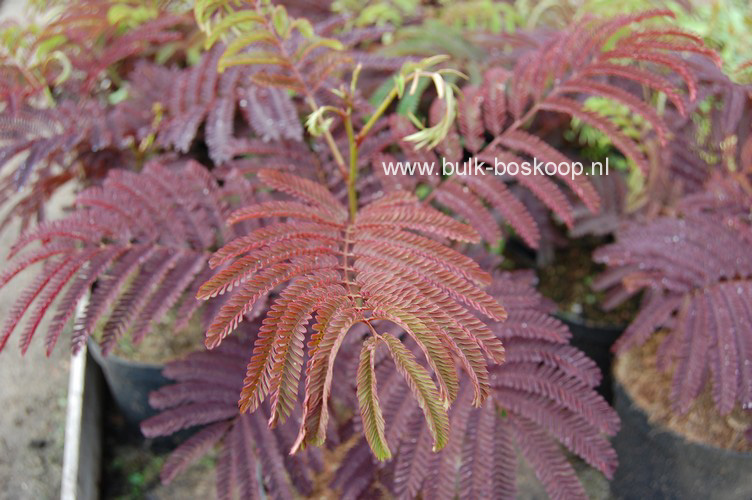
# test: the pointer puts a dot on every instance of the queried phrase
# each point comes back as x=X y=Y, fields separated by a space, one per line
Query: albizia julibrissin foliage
x=205 y=393
x=167 y=107
x=55 y=81
x=141 y=240
x=139 y=243
x=695 y=268
x=72 y=52
x=377 y=266
x=542 y=394
x=506 y=116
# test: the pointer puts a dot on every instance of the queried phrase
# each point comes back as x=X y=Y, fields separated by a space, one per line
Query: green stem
x=377 y=114
x=352 y=193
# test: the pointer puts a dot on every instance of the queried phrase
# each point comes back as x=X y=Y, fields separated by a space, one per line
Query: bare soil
x=568 y=282
x=163 y=343
x=32 y=420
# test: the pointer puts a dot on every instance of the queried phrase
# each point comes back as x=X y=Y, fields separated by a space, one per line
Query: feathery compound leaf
x=204 y=393
x=282 y=53
x=334 y=268
x=504 y=117
x=141 y=238
x=698 y=269
x=480 y=456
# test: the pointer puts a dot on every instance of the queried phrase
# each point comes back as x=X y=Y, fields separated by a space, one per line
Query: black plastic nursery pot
x=595 y=341
x=130 y=383
x=657 y=463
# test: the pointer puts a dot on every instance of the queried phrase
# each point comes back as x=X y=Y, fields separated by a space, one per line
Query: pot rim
x=621 y=391
x=96 y=351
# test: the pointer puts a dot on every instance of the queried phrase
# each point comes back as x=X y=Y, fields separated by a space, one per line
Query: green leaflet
x=423 y=390
x=368 y=400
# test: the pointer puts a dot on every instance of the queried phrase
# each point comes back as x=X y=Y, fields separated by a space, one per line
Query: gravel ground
x=32 y=419
x=32 y=398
